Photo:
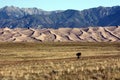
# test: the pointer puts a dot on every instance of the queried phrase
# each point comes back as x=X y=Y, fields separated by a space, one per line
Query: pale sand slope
x=91 y=34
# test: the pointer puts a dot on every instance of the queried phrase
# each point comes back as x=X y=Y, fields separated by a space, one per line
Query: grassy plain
x=57 y=61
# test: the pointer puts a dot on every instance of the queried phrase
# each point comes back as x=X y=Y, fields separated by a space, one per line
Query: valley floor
x=57 y=61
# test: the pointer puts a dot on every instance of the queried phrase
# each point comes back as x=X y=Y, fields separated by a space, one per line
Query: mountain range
x=15 y=17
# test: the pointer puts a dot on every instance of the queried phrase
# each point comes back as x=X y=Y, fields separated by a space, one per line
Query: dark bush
x=78 y=55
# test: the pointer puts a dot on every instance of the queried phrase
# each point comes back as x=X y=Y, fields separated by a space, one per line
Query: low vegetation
x=58 y=61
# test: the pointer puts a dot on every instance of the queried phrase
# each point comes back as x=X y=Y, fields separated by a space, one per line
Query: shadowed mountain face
x=90 y=34
x=13 y=17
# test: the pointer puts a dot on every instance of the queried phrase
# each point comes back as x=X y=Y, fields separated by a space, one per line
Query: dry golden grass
x=55 y=50
x=57 y=61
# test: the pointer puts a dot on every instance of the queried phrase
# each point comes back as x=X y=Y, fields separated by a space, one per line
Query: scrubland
x=57 y=61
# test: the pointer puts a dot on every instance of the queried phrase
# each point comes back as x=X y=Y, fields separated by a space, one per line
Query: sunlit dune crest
x=90 y=34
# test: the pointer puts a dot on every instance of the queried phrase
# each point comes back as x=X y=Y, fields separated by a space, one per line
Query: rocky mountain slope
x=13 y=17
x=91 y=34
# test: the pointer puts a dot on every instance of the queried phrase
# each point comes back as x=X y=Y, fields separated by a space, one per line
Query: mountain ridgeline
x=13 y=17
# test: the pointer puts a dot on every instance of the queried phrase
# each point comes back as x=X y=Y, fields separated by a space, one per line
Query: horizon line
x=59 y=9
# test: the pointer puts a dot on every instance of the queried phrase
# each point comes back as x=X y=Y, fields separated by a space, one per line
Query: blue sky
x=50 y=5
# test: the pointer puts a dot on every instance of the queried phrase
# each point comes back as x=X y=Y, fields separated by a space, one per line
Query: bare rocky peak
x=32 y=11
x=26 y=11
x=10 y=8
x=12 y=11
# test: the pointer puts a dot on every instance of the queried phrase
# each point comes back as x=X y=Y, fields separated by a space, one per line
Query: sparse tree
x=78 y=55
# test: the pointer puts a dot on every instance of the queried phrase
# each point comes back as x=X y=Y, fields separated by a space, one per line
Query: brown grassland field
x=57 y=61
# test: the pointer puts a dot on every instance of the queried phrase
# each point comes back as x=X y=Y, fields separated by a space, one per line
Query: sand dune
x=91 y=34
